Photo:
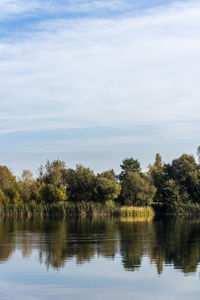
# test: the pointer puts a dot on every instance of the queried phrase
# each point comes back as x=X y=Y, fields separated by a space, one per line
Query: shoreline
x=74 y=209
x=97 y=209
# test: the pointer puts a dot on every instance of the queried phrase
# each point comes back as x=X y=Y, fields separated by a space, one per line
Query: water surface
x=99 y=258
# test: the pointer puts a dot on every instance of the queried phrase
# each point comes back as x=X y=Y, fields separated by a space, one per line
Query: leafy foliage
x=129 y=165
x=171 y=185
x=107 y=187
x=137 y=190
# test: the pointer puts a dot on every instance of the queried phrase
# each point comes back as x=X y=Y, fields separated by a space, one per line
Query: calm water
x=99 y=258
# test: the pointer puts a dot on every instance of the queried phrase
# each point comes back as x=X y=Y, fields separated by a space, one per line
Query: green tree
x=52 y=179
x=81 y=184
x=137 y=190
x=156 y=172
x=172 y=193
x=4 y=199
x=53 y=193
x=27 y=186
x=107 y=187
x=38 y=195
x=53 y=172
x=129 y=165
x=8 y=186
x=186 y=177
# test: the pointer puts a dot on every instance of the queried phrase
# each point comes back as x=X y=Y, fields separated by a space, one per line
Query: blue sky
x=94 y=81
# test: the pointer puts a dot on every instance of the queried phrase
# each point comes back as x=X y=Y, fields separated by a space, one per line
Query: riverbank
x=98 y=209
x=75 y=209
x=179 y=210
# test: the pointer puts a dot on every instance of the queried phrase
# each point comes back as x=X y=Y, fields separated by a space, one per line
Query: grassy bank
x=134 y=211
x=73 y=209
x=68 y=208
x=90 y=208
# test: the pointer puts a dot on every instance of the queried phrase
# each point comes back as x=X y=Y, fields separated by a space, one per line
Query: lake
x=99 y=258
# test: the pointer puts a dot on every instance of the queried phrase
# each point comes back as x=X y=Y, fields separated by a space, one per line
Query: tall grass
x=135 y=211
x=71 y=209
x=62 y=209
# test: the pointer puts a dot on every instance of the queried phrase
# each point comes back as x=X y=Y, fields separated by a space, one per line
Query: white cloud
x=102 y=72
x=13 y=8
x=16 y=7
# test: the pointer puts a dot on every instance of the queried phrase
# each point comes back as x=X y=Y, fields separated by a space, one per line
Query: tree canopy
x=174 y=183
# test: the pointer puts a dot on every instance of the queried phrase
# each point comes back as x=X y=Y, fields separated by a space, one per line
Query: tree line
x=174 y=183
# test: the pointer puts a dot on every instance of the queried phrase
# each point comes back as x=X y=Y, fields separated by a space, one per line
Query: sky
x=95 y=81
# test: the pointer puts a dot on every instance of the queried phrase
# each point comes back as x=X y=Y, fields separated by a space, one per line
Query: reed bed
x=135 y=211
x=61 y=209
x=80 y=208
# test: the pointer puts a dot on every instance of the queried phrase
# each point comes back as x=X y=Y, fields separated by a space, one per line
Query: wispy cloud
x=10 y=8
x=102 y=72
x=22 y=8
x=96 y=72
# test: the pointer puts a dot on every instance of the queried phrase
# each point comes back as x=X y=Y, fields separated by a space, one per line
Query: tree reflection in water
x=173 y=242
